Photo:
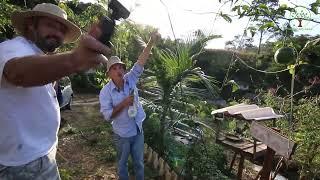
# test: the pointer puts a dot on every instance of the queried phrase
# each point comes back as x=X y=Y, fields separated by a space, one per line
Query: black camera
x=107 y=24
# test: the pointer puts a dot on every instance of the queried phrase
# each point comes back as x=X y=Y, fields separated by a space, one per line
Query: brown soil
x=85 y=150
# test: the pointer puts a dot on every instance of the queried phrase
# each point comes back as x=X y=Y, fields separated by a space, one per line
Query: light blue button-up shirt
x=110 y=97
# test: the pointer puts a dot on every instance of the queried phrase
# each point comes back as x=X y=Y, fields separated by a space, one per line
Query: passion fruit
x=285 y=55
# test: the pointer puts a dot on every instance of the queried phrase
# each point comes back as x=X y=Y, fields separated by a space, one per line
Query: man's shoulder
x=17 y=44
x=19 y=40
x=16 y=47
x=106 y=87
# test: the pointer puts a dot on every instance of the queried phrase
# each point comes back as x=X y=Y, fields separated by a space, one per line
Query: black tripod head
x=107 y=24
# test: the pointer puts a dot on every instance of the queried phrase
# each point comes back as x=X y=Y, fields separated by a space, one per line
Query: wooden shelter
x=264 y=142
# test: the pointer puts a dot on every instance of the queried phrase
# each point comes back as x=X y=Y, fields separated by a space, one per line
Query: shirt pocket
x=117 y=99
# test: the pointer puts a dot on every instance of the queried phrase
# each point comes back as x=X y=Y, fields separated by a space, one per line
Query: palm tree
x=172 y=73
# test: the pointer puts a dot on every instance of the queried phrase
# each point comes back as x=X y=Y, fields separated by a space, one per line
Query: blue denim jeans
x=43 y=168
x=133 y=146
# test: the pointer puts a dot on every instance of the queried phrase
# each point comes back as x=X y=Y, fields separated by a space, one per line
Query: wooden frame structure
x=265 y=142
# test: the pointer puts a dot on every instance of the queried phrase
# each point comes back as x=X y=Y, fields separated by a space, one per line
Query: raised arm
x=143 y=57
x=38 y=70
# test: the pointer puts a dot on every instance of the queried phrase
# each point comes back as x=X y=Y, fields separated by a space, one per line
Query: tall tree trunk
x=166 y=105
x=260 y=40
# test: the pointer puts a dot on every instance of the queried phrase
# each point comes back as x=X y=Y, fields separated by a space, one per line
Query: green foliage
x=173 y=69
x=127 y=41
x=206 y=161
x=6 y=30
x=65 y=174
x=226 y=17
x=215 y=63
x=83 y=14
x=267 y=17
x=264 y=13
x=310 y=53
x=83 y=82
x=151 y=128
x=304 y=130
x=176 y=153
x=307 y=135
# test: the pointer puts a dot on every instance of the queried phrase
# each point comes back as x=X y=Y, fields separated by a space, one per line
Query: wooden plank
x=243 y=144
x=240 y=168
x=282 y=145
x=245 y=147
x=260 y=150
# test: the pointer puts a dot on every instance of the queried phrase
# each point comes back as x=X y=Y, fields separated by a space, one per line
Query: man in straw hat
x=29 y=111
x=120 y=105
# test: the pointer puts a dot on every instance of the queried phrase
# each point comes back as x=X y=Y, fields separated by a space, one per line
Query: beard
x=48 y=43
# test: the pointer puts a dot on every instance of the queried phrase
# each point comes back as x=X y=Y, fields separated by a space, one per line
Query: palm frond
x=140 y=41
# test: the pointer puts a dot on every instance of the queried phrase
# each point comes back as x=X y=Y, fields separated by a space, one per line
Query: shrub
x=206 y=161
x=305 y=131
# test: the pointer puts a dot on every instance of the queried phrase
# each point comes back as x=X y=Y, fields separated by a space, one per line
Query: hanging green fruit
x=285 y=55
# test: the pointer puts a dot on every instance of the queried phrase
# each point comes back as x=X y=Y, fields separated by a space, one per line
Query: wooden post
x=145 y=148
x=161 y=166
x=265 y=172
x=150 y=152
x=167 y=175
x=240 y=168
x=279 y=165
x=233 y=160
x=155 y=160
x=254 y=148
x=174 y=175
x=218 y=119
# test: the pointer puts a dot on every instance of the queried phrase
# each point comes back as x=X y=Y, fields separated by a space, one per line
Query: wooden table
x=247 y=148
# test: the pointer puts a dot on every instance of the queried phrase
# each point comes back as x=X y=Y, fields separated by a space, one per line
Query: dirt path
x=85 y=148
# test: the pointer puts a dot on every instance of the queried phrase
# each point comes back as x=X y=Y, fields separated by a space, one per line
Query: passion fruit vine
x=285 y=55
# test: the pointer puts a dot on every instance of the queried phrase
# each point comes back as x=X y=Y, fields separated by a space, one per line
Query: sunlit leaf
x=234 y=85
x=226 y=17
x=291 y=69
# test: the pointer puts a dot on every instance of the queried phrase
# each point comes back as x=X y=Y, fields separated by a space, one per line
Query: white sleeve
x=11 y=49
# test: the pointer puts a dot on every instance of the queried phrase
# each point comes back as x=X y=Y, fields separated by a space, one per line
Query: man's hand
x=154 y=37
x=89 y=53
x=128 y=101
x=143 y=57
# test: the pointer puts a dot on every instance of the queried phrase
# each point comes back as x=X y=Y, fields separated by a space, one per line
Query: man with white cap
x=29 y=111
x=120 y=105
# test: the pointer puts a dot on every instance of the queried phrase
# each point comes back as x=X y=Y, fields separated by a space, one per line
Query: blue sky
x=189 y=15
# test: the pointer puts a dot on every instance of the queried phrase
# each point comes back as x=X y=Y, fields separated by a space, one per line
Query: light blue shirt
x=110 y=97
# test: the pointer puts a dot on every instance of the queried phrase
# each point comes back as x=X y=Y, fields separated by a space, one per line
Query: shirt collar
x=114 y=87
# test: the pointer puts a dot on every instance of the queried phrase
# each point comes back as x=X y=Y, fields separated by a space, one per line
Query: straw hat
x=48 y=10
x=114 y=60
